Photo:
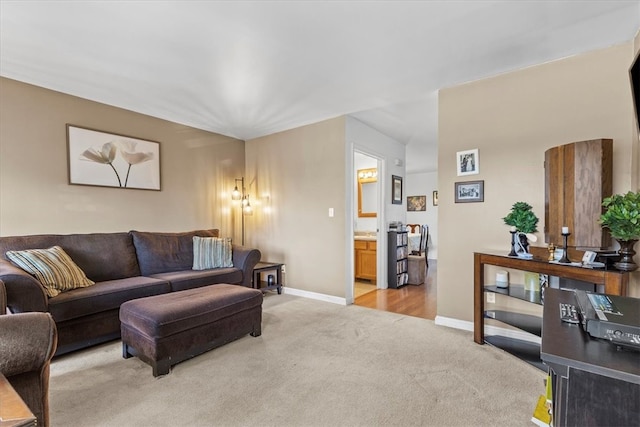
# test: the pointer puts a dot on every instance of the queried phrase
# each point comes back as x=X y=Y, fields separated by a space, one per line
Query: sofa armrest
x=245 y=259
x=24 y=292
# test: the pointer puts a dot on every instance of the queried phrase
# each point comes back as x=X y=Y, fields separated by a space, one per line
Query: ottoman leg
x=257 y=330
x=125 y=351
x=161 y=367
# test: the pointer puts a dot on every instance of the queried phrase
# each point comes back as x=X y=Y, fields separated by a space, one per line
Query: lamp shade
x=236 y=195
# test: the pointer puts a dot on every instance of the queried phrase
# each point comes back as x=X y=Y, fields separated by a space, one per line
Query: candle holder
x=565 y=259
x=513 y=244
x=552 y=250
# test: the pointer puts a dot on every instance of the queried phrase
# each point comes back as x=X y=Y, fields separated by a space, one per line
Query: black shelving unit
x=524 y=350
x=397 y=254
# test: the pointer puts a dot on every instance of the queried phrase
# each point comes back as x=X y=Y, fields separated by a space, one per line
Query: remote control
x=568 y=313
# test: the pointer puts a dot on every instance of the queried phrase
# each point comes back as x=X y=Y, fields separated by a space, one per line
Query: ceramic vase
x=524 y=241
x=626 y=252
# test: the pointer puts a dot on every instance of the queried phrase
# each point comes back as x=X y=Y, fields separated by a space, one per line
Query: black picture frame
x=396 y=190
x=469 y=192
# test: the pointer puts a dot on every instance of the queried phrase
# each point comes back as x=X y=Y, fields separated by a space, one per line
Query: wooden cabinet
x=578 y=176
x=366 y=259
x=397 y=254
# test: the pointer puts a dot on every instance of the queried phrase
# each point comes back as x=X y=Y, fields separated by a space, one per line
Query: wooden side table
x=13 y=411
x=263 y=267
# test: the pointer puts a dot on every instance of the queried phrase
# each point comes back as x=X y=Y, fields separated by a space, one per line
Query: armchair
x=417 y=259
x=27 y=344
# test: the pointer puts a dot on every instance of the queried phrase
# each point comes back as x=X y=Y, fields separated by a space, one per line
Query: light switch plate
x=491 y=298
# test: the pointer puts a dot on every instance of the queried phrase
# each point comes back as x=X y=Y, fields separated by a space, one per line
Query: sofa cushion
x=162 y=252
x=104 y=296
x=102 y=256
x=52 y=267
x=211 y=252
x=188 y=279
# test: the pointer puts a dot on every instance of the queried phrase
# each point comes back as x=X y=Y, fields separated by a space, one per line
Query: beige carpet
x=316 y=364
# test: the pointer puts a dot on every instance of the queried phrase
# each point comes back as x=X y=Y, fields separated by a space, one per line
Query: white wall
x=362 y=138
x=424 y=184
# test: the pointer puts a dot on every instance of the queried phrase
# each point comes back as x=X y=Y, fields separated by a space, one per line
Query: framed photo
x=435 y=198
x=467 y=162
x=110 y=160
x=469 y=192
x=416 y=203
x=396 y=190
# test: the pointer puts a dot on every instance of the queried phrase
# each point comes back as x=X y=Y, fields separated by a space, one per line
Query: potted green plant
x=622 y=218
x=524 y=223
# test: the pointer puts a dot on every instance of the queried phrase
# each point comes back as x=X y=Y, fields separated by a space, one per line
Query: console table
x=593 y=383
x=615 y=282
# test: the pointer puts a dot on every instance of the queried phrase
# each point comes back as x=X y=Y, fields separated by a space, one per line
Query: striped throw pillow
x=52 y=267
x=211 y=252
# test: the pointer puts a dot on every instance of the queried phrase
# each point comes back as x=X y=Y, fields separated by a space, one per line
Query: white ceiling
x=251 y=68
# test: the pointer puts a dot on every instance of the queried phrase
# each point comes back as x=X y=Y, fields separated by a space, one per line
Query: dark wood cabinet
x=578 y=176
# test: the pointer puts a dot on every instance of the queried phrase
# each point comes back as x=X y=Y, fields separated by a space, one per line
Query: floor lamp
x=244 y=197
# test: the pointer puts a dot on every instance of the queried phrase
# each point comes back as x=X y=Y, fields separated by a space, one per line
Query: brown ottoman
x=166 y=329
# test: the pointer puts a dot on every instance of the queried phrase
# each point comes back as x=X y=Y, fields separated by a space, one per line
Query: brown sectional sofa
x=125 y=266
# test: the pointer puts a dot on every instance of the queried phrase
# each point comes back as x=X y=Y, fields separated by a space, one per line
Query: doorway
x=367 y=213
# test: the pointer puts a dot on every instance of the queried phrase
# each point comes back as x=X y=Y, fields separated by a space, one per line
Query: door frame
x=381 y=266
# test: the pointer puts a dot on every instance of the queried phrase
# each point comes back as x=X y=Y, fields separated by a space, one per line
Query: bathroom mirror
x=367 y=192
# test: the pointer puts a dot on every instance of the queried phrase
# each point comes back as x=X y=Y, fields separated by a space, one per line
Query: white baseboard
x=488 y=329
x=450 y=322
x=314 y=295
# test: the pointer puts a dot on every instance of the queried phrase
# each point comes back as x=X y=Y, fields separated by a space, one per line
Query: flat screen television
x=634 y=73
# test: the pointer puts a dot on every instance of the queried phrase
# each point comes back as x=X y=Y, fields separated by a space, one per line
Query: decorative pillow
x=52 y=267
x=211 y=252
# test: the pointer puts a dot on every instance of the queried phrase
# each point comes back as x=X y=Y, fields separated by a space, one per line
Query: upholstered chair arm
x=245 y=259
x=24 y=292
x=27 y=344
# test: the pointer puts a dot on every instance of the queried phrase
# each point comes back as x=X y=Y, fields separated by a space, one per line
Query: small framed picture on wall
x=396 y=190
x=469 y=191
x=416 y=203
x=468 y=162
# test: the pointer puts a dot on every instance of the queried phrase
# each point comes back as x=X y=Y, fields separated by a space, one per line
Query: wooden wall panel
x=578 y=176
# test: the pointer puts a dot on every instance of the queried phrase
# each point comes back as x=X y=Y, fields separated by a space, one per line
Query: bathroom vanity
x=365 y=257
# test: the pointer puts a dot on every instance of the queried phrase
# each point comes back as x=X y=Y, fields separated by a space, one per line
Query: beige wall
x=512 y=119
x=197 y=170
x=296 y=176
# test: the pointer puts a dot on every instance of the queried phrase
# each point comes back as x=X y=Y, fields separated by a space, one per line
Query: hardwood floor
x=418 y=301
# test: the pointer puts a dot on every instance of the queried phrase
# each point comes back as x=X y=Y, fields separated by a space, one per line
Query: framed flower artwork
x=111 y=160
